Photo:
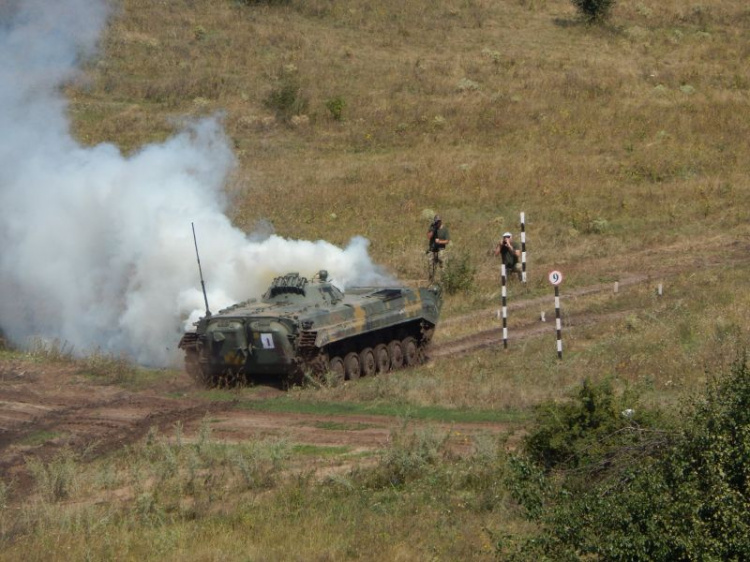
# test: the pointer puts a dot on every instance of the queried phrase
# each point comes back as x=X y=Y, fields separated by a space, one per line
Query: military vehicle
x=309 y=328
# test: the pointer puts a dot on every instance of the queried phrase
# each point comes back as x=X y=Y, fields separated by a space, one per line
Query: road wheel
x=382 y=358
x=367 y=362
x=411 y=351
x=336 y=370
x=397 y=354
x=352 y=366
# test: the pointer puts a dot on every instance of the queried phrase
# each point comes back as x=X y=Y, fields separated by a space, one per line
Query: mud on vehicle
x=304 y=327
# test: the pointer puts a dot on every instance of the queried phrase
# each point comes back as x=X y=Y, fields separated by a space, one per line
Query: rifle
x=433 y=237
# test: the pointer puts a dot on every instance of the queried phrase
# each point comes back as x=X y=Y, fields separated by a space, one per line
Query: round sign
x=555 y=277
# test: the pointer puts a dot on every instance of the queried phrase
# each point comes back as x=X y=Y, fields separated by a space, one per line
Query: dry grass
x=478 y=109
x=170 y=498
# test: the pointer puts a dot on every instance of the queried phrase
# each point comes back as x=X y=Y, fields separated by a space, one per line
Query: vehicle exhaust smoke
x=96 y=248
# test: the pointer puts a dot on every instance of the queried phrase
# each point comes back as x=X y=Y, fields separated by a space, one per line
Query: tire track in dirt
x=92 y=428
x=493 y=336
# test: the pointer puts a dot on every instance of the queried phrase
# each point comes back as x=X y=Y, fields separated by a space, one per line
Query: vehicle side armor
x=307 y=328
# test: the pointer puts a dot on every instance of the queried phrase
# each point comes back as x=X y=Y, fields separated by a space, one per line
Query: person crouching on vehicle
x=438 y=237
x=510 y=254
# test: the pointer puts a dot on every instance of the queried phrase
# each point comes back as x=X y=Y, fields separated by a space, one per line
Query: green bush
x=594 y=10
x=287 y=98
x=336 y=108
x=680 y=493
x=584 y=430
x=458 y=274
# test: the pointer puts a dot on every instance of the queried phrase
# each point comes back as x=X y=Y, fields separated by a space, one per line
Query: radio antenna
x=200 y=271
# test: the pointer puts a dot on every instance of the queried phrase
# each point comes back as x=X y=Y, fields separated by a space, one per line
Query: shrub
x=458 y=275
x=336 y=107
x=409 y=456
x=584 y=430
x=287 y=98
x=680 y=494
x=594 y=10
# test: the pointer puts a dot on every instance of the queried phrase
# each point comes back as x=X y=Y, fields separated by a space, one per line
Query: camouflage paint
x=298 y=321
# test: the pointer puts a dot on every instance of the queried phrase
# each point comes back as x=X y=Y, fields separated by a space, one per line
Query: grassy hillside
x=626 y=145
x=612 y=140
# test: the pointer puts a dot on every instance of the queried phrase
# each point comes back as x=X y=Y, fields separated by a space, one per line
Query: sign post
x=556 y=277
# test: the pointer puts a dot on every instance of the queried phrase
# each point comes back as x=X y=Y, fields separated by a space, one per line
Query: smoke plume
x=96 y=249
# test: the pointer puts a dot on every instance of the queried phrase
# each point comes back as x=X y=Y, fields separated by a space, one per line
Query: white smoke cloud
x=96 y=248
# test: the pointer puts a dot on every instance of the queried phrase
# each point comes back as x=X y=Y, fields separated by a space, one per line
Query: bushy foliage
x=585 y=430
x=287 y=98
x=335 y=107
x=594 y=10
x=410 y=455
x=681 y=494
x=458 y=274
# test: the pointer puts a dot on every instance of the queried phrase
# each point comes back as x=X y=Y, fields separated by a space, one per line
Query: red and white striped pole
x=523 y=247
x=503 y=278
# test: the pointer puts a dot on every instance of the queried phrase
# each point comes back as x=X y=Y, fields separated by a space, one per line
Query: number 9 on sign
x=555 y=277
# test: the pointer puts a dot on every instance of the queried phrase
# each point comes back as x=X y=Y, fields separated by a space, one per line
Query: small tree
x=594 y=10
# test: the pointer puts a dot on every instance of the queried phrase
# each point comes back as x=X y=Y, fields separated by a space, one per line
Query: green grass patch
x=318 y=450
x=341 y=426
x=432 y=413
x=40 y=437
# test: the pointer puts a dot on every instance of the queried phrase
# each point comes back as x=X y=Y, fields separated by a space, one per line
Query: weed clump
x=56 y=480
x=287 y=98
x=410 y=456
x=594 y=10
x=109 y=369
x=335 y=107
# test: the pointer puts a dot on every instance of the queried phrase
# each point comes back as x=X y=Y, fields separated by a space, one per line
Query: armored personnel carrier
x=304 y=327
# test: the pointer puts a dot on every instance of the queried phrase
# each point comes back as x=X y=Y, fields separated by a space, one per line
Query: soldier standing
x=438 y=237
